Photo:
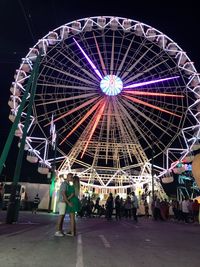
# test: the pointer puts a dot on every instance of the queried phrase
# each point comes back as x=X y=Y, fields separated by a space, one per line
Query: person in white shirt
x=185 y=209
x=135 y=206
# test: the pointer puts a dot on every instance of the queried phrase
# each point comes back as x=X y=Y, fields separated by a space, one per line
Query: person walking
x=36 y=203
x=63 y=203
x=72 y=193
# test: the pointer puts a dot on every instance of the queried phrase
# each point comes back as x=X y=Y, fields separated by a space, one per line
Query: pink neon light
x=142 y=93
x=85 y=104
x=82 y=120
x=134 y=85
x=96 y=121
x=149 y=105
x=89 y=60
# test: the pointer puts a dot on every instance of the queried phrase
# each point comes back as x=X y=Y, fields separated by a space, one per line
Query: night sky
x=23 y=22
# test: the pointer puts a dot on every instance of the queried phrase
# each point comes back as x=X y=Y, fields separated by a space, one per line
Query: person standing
x=117 y=208
x=72 y=193
x=195 y=210
x=185 y=209
x=109 y=206
x=146 y=208
x=24 y=199
x=135 y=206
x=1 y=195
x=97 y=206
x=36 y=203
x=63 y=203
x=128 y=207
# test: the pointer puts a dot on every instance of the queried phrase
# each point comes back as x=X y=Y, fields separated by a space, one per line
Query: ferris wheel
x=117 y=89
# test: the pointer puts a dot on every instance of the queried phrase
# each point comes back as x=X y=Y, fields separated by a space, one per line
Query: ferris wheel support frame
x=13 y=207
x=10 y=137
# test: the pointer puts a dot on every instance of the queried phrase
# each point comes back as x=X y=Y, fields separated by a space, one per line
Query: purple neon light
x=89 y=60
x=134 y=85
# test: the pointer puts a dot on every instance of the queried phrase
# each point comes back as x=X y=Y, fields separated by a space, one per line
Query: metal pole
x=53 y=176
x=17 y=119
x=13 y=208
x=152 y=170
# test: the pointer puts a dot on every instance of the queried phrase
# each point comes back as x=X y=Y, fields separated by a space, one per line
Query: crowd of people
x=163 y=210
x=113 y=206
x=186 y=210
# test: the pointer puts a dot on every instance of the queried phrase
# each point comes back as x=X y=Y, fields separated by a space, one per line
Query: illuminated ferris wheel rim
x=77 y=26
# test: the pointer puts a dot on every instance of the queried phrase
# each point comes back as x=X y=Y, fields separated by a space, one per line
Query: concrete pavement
x=99 y=243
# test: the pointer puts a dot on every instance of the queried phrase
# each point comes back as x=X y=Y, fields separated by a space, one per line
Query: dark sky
x=23 y=22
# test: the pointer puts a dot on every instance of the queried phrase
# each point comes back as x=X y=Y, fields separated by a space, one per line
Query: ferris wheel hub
x=111 y=85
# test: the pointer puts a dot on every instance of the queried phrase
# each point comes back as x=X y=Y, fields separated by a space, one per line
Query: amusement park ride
x=117 y=89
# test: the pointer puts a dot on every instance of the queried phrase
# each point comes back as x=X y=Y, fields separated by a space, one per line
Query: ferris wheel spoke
x=118 y=54
x=72 y=56
x=117 y=118
x=124 y=58
x=71 y=75
x=172 y=126
x=143 y=72
x=105 y=50
x=83 y=119
x=108 y=130
x=152 y=59
x=150 y=105
x=171 y=72
x=49 y=80
x=134 y=123
x=89 y=60
x=80 y=67
x=127 y=72
x=134 y=85
x=112 y=54
x=122 y=129
x=143 y=93
x=100 y=56
x=82 y=88
x=144 y=116
x=84 y=62
x=73 y=121
x=96 y=121
x=131 y=133
x=85 y=104
x=133 y=60
x=162 y=101
x=125 y=134
x=69 y=98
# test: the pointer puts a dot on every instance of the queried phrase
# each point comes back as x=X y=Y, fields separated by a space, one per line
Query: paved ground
x=99 y=243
